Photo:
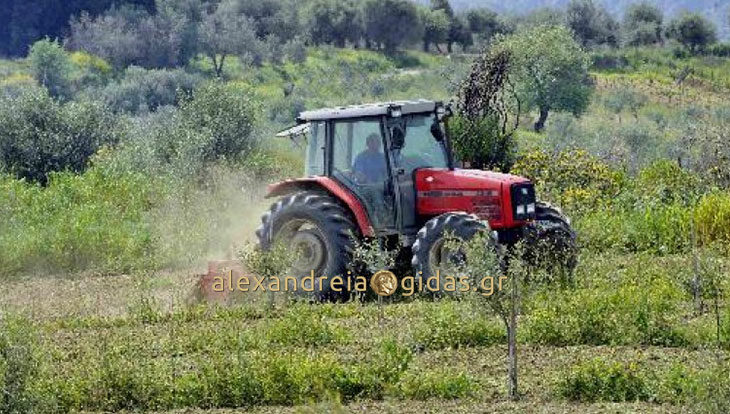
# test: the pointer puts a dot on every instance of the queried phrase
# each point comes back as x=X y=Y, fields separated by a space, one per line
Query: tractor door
x=413 y=146
x=360 y=163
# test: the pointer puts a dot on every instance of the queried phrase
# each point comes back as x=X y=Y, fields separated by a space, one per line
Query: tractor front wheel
x=319 y=231
x=431 y=253
x=551 y=241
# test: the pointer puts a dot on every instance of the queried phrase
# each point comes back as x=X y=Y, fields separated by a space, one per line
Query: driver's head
x=373 y=142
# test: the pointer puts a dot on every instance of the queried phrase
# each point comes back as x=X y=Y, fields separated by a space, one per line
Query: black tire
x=427 y=249
x=312 y=219
x=551 y=241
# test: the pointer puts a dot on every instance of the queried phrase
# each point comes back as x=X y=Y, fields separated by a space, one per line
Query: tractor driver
x=369 y=165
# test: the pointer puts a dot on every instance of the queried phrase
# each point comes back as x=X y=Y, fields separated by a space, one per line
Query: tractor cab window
x=315 y=149
x=359 y=162
x=421 y=149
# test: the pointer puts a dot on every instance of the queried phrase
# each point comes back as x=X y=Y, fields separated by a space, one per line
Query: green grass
x=160 y=353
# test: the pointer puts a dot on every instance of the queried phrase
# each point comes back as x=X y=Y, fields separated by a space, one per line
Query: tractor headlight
x=395 y=111
x=523 y=201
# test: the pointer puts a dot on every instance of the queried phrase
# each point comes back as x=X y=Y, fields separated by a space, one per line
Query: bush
x=93 y=221
x=663 y=229
x=90 y=71
x=573 y=179
x=141 y=90
x=223 y=116
x=665 y=183
x=448 y=326
x=51 y=67
x=632 y=312
x=598 y=380
x=19 y=365
x=712 y=216
x=443 y=384
x=39 y=135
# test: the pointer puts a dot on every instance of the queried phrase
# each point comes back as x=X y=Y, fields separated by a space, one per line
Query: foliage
x=127 y=36
x=712 y=217
x=591 y=23
x=391 y=23
x=573 y=179
x=140 y=90
x=216 y=122
x=436 y=27
x=333 y=22
x=481 y=143
x=51 y=67
x=643 y=24
x=692 y=30
x=442 y=384
x=598 y=380
x=223 y=34
x=39 y=135
x=549 y=69
x=487 y=114
x=93 y=221
x=452 y=327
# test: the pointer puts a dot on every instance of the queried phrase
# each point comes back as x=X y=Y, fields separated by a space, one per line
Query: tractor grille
x=523 y=201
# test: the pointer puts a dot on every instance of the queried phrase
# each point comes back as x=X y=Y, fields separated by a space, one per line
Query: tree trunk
x=512 y=343
x=540 y=124
x=426 y=45
x=450 y=46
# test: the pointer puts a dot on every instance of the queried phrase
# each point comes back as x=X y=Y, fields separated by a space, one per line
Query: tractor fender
x=332 y=187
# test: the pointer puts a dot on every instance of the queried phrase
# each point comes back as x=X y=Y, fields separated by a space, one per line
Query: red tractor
x=386 y=170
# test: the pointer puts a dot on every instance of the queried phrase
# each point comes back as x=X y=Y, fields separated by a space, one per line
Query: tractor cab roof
x=375 y=109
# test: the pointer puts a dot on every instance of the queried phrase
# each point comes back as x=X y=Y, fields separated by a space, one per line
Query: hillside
x=716 y=10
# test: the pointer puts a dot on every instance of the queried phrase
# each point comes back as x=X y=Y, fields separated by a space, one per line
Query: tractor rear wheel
x=431 y=254
x=319 y=230
x=551 y=241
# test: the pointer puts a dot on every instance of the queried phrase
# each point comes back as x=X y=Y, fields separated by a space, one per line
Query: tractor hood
x=487 y=194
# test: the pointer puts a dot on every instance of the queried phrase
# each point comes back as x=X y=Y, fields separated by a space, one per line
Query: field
x=99 y=268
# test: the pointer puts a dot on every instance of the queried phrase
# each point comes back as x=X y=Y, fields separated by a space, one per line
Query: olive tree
x=223 y=34
x=693 y=31
x=643 y=24
x=550 y=70
x=436 y=26
x=39 y=135
x=51 y=67
x=392 y=23
x=333 y=22
x=591 y=23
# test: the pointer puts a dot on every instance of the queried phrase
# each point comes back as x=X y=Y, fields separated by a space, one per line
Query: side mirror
x=437 y=131
x=398 y=137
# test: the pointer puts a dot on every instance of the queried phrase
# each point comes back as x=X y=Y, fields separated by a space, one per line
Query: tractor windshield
x=421 y=149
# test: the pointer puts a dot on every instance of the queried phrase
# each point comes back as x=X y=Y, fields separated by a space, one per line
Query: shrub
x=610 y=314
x=93 y=221
x=141 y=90
x=443 y=384
x=39 y=135
x=664 y=182
x=599 y=380
x=712 y=217
x=90 y=71
x=482 y=143
x=448 y=326
x=51 y=67
x=223 y=117
x=19 y=365
x=574 y=179
x=304 y=326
